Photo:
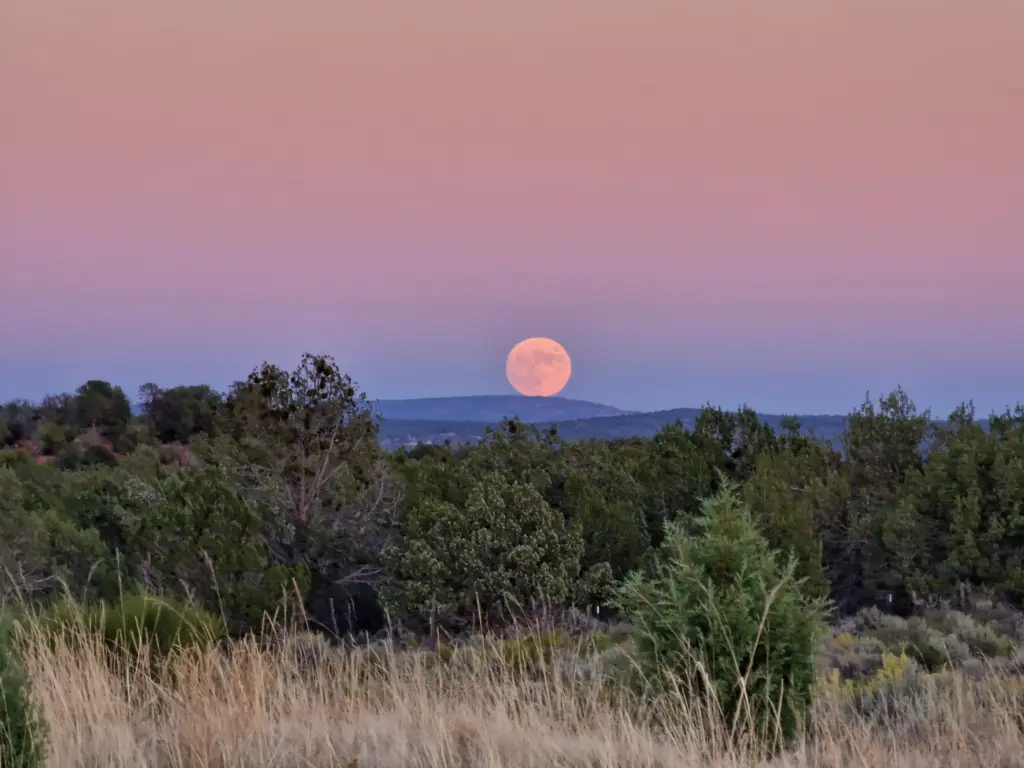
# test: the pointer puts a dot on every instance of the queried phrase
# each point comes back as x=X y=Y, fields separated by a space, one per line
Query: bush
x=40 y=549
x=96 y=456
x=22 y=729
x=504 y=553
x=69 y=458
x=531 y=651
x=719 y=618
x=937 y=639
x=852 y=658
x=50 y=438
x=135 y=622
x=143 y=621
x=200 y=538
x=69 y=620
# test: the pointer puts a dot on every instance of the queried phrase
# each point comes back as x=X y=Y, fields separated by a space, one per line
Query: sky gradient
x=782 y=204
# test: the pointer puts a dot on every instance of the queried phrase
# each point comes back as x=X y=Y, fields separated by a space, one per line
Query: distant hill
x=647 y=424
x=397 y=431
x=493 y=408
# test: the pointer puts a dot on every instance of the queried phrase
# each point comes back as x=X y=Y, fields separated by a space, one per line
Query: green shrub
x=22 y=729
x=719 y=618
x=70 y=620
x=96 y=456
x=159 y=624
x=504 y=553
x=51 y=438
x=597 y=643
x=445 y=653
x=530 y=651
x=69 y=458
x=200 y=538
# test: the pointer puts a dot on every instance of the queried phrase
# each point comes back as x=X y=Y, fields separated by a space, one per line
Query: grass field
x=305 y=704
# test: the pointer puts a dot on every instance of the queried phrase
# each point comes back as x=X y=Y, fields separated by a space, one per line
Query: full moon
x=538 y=367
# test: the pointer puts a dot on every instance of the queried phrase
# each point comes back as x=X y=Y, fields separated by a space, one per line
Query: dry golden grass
x=253 y=706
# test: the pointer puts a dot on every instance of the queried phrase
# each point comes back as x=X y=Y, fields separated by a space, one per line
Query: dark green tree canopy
x=282 y=482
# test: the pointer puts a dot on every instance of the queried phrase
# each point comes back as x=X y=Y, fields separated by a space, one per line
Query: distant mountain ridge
x=465 y=419
x=493 y=408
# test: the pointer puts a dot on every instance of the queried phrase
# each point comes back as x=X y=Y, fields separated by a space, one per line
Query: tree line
x=279 y=490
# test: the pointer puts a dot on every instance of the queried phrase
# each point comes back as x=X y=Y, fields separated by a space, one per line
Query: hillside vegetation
x=251 y=578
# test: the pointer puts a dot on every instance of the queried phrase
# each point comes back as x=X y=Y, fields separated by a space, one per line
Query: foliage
x=884 y=447
x=303 y=447
x=604 y=501
x=280 y=485
x=134 y=623
x=18 y=421
x=159 y=625
x=42 y=552
x=102 y=406
x=181 y=413
x=51 y=438
x=506 y=552
x=784 y=514
x=937 y=640
x=531 y=650
x=675 y=475
x=22 y=730
x=720 y=616
x=964 y=511
x=200 y=540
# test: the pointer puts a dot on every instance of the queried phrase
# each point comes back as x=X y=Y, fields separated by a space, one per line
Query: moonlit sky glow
x=783 y=204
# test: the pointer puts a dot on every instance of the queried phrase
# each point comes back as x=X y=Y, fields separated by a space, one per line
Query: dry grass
x=252 y=706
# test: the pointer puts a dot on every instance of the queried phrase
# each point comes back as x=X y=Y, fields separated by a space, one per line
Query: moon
x=538 y=367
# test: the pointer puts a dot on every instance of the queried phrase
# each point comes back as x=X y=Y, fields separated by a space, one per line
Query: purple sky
x=780 y=204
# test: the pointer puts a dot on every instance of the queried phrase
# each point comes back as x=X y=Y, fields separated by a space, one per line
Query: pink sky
x=782 y=203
